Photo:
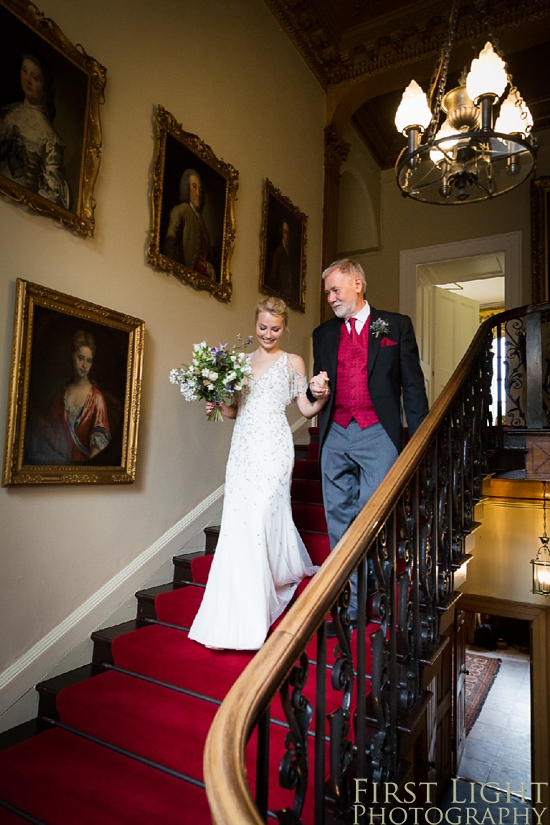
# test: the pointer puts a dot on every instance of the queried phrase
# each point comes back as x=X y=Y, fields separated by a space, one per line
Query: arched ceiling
x=361 y=50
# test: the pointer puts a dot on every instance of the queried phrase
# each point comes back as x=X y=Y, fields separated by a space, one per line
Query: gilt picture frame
x=74 y=391
x=540 y=232
x=192 y=209
x=283 y=242
x=50 y=88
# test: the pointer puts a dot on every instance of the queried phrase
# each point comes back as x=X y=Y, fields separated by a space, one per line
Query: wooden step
x=182 y=563
x=211 y=534
x=301 y=451
x=309 y=517
x=313 y=451
x=504 y=460
x=317 y=545
x=146 y=599
x=49 y=688
x=307 y=490
x=22 y=732
x=306 y=468
x=103 y=638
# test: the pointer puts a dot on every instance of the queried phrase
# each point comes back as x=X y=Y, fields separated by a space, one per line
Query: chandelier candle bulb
x=515 y=117
x=437 y=153
x=413 y=111
x=487 y=75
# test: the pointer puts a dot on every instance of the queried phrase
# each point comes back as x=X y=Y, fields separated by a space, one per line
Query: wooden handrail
x=224 y=756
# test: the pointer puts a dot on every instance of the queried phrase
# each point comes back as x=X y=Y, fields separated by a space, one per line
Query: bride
x=260 y=558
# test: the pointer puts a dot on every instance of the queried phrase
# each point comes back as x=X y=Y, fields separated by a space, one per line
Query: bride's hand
x=210 y=405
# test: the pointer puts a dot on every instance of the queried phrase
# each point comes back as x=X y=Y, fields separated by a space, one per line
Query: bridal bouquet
x=215 y=374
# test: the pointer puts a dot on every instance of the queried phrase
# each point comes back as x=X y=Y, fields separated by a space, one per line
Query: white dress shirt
x=361 y=318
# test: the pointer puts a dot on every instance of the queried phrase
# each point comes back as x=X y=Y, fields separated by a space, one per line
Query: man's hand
x=319 y=386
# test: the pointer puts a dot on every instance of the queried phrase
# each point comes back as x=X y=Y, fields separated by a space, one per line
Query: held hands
x=319 y=386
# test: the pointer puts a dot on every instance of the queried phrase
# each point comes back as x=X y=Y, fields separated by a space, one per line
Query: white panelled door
x=455 y=322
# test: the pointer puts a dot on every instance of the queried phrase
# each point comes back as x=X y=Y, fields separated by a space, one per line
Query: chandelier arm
x=518 y=99
x=483 y=188
x=439 y=79
x=491 y=31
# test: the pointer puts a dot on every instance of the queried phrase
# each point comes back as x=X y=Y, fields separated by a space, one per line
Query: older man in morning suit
x=371 y=359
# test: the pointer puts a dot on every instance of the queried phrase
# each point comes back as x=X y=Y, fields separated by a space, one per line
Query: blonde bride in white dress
x=260 y=558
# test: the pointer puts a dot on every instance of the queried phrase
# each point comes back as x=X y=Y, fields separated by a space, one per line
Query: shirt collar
x=363 y=314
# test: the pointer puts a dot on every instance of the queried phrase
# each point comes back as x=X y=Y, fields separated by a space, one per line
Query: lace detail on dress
x=299 y=383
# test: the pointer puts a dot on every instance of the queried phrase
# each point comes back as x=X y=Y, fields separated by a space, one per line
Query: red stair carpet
x=126 y=746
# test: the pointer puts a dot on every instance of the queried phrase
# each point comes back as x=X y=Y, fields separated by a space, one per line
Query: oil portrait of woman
x=31 y=151
x=75 y=426
x=77 y=382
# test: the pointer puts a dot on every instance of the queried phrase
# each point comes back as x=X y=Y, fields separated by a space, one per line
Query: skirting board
x=41 y=658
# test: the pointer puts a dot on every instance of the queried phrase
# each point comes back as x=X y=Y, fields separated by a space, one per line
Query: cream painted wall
x=504 y=545
x=359 y=211
x=407 y=224
x=227 y=72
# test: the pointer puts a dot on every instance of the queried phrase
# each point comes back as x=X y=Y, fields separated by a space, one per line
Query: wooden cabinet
x=459 y=668
x=433 y=755
x=439 y=728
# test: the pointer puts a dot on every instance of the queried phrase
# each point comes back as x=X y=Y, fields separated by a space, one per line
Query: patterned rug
x=482 y=673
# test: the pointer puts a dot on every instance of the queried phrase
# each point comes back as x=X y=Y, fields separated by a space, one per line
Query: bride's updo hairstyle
x=275 y=306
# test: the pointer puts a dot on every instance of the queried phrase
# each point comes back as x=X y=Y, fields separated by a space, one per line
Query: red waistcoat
x=352 y=399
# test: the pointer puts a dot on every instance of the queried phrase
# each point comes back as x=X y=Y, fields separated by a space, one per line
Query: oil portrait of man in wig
x=193 y=204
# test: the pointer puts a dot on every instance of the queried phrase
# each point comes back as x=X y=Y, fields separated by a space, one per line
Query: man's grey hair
x=347 y=267
x=185 y=183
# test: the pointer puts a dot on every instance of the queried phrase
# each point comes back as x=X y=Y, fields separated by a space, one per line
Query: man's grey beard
x=340 y=311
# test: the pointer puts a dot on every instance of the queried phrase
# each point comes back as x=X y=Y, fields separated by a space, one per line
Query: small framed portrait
x=50 y=132
x=540 y=226
x=283 y=249
x=193 y=209
x=74 y=394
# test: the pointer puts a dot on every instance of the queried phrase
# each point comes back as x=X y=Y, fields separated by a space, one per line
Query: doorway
x=498 y=702
x=538 y=617
x=478 y=259
x=452 y=297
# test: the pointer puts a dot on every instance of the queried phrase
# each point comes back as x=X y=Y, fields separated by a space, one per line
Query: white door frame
x=509 y=243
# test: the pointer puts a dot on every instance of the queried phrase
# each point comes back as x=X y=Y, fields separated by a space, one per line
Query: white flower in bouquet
x=215 y=374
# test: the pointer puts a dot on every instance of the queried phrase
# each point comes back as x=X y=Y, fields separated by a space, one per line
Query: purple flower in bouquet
x=215 y=374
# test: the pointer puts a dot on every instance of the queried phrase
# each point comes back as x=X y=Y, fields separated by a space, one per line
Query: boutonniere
x=379 y=327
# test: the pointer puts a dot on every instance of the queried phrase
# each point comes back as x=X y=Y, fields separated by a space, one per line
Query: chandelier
x=464 y=159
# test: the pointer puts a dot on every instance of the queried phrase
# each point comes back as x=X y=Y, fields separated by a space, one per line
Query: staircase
x=121 y=740
x=305 y=715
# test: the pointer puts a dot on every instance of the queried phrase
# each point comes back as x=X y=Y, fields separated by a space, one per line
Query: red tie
x=354 y=336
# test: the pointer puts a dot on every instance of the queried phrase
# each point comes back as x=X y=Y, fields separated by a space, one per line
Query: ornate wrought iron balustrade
x=348 y=707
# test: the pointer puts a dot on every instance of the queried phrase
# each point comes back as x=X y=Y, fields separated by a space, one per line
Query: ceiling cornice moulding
x=389 y=41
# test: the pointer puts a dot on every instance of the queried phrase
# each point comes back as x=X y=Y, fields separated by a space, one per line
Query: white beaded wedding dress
x=260 y=558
